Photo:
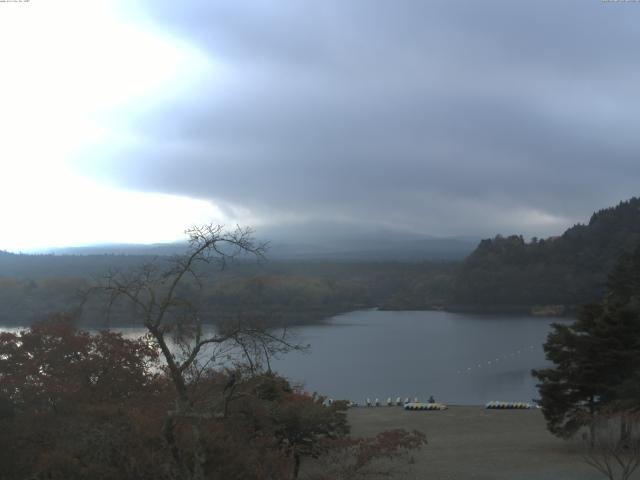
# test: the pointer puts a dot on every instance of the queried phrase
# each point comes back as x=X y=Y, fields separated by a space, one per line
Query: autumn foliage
x=78 y=406
x=72 y=403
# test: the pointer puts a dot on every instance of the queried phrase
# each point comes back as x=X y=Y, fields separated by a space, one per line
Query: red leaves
x=75 y=405
x=53 y=366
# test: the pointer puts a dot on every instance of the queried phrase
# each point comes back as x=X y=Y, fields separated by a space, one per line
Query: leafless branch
x=174 y=324
x=614 y=451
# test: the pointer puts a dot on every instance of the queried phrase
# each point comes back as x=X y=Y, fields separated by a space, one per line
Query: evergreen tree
x=571 y=391
x=597 y=358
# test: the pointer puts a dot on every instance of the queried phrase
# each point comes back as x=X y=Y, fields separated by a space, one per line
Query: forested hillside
x=569 y=270
x=279 y=292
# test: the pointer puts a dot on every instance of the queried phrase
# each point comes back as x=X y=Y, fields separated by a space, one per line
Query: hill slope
x=570 y=270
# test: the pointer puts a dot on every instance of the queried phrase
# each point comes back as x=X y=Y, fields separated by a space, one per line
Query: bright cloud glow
x=70 y=69
x=95 y=213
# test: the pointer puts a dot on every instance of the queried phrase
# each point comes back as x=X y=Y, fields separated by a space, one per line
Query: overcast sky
x=129 y=121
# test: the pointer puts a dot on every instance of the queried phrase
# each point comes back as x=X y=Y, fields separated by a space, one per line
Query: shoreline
x=323 y=317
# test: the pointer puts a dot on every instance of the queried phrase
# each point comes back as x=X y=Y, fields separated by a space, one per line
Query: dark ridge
x=567 y=270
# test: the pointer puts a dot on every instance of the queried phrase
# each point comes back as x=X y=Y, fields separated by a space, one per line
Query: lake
x=458 y=358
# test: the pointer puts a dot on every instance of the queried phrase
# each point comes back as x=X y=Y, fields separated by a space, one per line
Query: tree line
x=283 y=293
x=568 y=270
x=502 y=274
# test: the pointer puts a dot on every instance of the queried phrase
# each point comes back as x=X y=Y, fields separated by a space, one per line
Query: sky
x=129 y=121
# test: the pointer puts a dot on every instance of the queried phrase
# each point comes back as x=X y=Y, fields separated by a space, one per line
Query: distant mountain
x=567 y=270
x=397 y=249
x=155 y=249
x=320 y=241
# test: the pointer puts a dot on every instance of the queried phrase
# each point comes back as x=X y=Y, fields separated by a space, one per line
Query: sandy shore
x=475 y=443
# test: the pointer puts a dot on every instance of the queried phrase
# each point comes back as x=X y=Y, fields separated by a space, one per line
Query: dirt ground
x=475 y=443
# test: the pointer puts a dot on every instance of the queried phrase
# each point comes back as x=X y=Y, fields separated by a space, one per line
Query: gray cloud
x=442 y=117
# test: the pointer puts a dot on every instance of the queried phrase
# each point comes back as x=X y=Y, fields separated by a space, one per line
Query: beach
x=471 y=442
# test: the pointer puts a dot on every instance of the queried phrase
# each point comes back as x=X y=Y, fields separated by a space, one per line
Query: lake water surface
x=457 y=358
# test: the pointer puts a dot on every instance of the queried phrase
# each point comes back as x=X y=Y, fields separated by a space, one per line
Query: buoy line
x=425 y=406
x=398 y=402
x=494 y=361
x=509 y=405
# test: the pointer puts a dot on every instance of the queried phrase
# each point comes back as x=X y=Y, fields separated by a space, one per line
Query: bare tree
x=189 y=346
x=613 y=448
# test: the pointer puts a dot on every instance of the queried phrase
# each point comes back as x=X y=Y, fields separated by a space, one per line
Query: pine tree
x=597 y=358
x=571 y=392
